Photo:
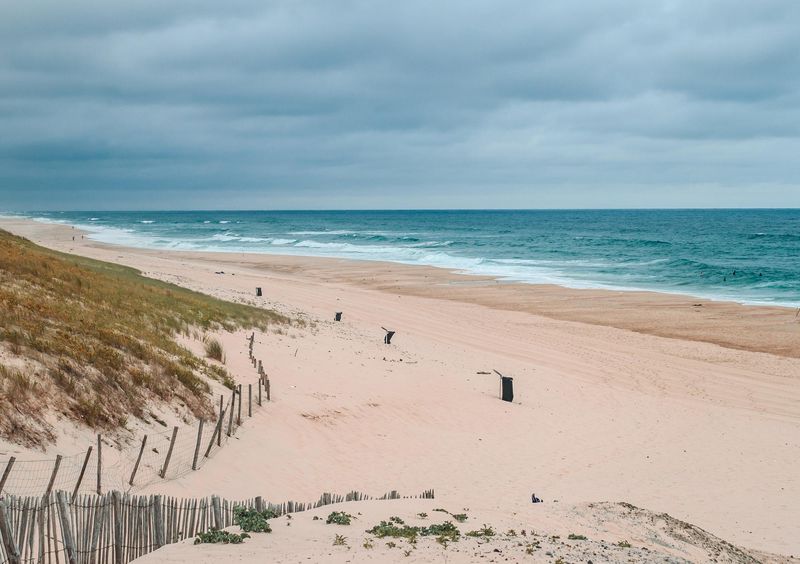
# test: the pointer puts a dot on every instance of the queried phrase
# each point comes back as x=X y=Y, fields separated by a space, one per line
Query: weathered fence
x=152 y=459
x=116 y=528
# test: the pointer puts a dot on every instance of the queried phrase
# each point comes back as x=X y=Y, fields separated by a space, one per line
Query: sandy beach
x=671 y=403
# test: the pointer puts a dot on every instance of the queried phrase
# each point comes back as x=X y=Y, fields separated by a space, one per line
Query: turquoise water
x=749 y=256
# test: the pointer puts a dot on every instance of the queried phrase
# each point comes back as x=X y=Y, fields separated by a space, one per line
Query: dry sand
x=618 y=396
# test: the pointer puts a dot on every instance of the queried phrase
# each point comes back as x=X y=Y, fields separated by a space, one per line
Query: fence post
x=197 y=446
x=239 y=413
x=6 y=472
x=217 y=512
x=169 y=451
x=115 y=498
x=221 y=413
x=216 y=434
x=266 y=385
x=53 y=475
x=138 y=460
x=259 y=504
x=99 y=465
x=158 y=521
x=100 y=516
x=7 y=536
x=66 y=529
x=230 y=419
x=260 y=381
x=83 y=470
x=249 y=400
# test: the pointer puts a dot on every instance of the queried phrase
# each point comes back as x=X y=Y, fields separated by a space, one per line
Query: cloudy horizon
x=373 y=105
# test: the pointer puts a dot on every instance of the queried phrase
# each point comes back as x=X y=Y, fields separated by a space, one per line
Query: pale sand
x=709 y=434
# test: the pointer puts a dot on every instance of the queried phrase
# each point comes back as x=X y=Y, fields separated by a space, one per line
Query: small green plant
x=214 y=349
x=391 y=544
x=511 y=533
x=252 y=520
x=340 y=540
x=422 y=515
x=339 y=518
x=573 y=536
x=215 y=536
x=624 y=544
x=397 y=520
x=484 y=532
x=368 y=544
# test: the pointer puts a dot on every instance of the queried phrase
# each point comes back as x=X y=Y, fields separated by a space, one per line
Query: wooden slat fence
x=116 y=528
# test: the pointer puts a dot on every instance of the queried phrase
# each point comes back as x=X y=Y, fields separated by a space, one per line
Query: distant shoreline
x=757 y=328
x=486 y=263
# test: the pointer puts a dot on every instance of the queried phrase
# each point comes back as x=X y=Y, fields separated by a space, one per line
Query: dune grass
x=99 y=340
x=214 y=349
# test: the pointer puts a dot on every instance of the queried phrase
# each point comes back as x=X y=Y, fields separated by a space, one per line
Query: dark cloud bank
x=399 y=104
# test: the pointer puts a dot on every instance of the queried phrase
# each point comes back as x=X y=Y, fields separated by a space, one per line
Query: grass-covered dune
x=94 y=341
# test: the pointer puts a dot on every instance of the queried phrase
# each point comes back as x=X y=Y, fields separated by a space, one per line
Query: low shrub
x=215 y=536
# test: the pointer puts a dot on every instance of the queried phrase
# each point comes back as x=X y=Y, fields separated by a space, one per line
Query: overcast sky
x=403 y=104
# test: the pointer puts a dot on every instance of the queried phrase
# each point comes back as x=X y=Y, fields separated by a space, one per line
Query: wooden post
x=217 y=512
x=7 y=537
x=99 y=465
x=259 y=504
x=239 y=413
x=53 y=475
x=83 y=470
x=266 y=385
x=230 y=415
x=115 y=497
x=100 y=516
x=260 y=367
x=219 y=434
x=158 y=521
x=138 y=460
x=169 y=451
x=197 y=446
x=6 y=472
x=66 y=529
x=249 y=400
x=260 y=380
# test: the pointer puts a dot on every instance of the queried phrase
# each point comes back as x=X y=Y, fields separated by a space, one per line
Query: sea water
x=750 y=256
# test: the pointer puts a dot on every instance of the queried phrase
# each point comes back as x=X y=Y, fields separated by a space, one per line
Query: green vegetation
x=339 y=518
x=573 y=536
x=484 y=532
x=624 y=544
x=252 y=520
x=216 y=536
x=96 y=341
x=214 y=349
x=394 y=527
x=340 y=540
x=460 y=517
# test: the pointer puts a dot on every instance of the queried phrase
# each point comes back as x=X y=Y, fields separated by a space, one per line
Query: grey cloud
x=342 y=104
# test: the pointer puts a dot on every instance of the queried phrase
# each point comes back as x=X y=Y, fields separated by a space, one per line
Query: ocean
x=749 y=256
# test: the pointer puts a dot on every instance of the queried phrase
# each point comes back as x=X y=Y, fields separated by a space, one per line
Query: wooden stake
x=53 y=475
x=7 y=536
x=217 y=512
x=99 y=465
x=233 y=405
x=239 y=413
x=219 y=433
x=117 y=505
x=266 y=384
x=158 y=521
x=138 y=460
x=169 y=451
x=66 y=529
x=197 y=446
x=83 y=470
x=6 y=472
x=249 y=400
x=260 y=380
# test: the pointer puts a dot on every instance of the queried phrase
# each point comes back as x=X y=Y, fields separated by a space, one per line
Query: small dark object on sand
x=337 y=316
x=388 y=337
x=535 y=499
x=258 y=291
